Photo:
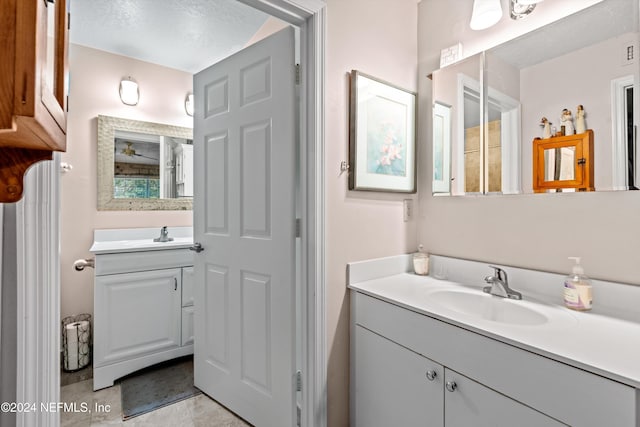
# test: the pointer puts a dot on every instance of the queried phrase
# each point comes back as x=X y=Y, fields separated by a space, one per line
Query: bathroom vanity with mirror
x=441 y=352
x=143 y=300
x=144 y=166
x=494 y=102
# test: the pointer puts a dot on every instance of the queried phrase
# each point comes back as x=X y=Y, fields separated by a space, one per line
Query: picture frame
x=382 y=140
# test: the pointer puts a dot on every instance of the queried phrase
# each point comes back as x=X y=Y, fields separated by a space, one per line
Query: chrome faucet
x=164 y=235
x=499 y=285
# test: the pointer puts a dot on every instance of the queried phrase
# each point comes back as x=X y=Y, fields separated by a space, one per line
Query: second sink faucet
x=164 y=235
x=499 y=284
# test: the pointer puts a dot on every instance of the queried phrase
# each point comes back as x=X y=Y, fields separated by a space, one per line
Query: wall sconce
x=129 y=92
x=188 y=104
x=485 y=14
x=520 y=8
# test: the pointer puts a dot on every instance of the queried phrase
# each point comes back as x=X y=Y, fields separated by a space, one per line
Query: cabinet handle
x=431 y=375
x=451 y=386
x=175 y=284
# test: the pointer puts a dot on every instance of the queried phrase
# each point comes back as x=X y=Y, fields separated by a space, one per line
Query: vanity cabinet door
x=187 y=305
x=137 y=314
x=393 y=386
x=468 y=403
x=187 y=325
x=187 y=286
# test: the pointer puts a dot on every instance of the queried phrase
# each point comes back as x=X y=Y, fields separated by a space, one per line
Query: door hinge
x=298 y=233
x=297 y=74
x=298 y=381
x=298 y=416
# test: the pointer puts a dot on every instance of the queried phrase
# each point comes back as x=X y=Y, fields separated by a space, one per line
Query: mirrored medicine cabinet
x=488 y=108
x=144 y=165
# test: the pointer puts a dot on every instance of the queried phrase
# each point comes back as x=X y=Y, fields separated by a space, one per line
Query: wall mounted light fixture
x=129 y=91
x=188 y=104
x=518 y=9
x=485 y=14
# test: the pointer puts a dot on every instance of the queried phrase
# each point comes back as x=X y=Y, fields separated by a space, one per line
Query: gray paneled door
x=244 y=218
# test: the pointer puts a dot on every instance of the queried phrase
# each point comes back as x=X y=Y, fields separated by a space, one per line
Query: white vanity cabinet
x=138 y=313
x=496 y=384
x=143 y=311
x=396 y=386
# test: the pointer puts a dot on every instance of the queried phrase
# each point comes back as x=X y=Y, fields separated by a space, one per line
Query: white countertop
x=597 y=343
x=139 y=239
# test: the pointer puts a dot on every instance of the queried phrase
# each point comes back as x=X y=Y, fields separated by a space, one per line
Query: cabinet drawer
x=187 y=325
x=563 y=392
x=187 y=286
x=127 y=262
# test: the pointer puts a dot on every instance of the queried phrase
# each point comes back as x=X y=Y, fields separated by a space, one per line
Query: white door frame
x=38 y=295
x=619 y=131
x=309 y=16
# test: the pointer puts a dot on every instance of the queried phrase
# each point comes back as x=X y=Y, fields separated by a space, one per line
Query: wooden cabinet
x=563 y=162
x=496 y=384
x=143 y=313
x=33 y=76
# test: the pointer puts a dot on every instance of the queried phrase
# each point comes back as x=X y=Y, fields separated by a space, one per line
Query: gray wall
x=8 y=305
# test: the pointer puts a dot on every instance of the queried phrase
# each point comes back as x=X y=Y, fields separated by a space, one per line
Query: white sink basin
x=489 y=307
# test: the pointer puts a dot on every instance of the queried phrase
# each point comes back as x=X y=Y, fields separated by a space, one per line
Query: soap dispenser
x=577 y=288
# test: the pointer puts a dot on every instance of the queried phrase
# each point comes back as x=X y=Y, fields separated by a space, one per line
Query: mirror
x=588 y=58
x=558 y=164
x=144 y=166
x=456 y=128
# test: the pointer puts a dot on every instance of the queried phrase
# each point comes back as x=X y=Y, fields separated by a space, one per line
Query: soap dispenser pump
x=577 y=288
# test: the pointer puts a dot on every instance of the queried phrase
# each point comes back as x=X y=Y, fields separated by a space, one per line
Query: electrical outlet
x=629 y=53
x=408 y=209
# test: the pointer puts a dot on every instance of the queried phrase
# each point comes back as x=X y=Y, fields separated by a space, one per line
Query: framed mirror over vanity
x=487 y=132
x=144 y=165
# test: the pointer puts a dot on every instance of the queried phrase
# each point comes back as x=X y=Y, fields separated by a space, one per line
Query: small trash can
x=76 y=342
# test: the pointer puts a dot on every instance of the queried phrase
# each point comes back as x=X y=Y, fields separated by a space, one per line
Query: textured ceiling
x=602 y=21
x=187 y=35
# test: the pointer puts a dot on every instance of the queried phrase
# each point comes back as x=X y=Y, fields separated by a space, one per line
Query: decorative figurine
x=567 y=121
x=546 y=131
x=581 y=126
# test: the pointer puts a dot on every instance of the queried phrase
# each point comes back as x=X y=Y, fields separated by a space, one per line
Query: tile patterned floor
x=198 y=411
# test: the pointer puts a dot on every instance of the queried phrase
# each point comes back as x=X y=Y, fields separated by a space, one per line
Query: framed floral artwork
x=382 y=143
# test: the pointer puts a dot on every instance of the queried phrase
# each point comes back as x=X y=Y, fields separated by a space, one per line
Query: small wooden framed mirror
x=563 y=162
